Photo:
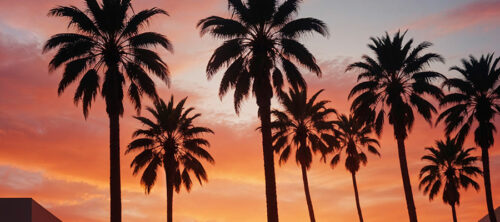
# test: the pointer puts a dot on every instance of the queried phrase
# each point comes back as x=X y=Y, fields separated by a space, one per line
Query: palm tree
x=302 y=126
x=395 y=81
x=475 y=100
x=107 y=43
x=170 y=140
x=451 y=165
x=261 y=42
x=352 y=135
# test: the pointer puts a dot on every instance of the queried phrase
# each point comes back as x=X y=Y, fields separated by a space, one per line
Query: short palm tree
x=392 y=85
x=261 y=46
x=105 y=53
x=352 y=135
x=449 y=165
x=172 y=141
x=302 y=127
x=475 y=99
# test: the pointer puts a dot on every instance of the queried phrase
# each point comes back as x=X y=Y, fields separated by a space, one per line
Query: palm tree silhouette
x=395 y=81
x=170 y=140
x=105 y=45
x=451 y=165
x=261 y=42
x=302 y=126
x=475 y=100
x=352 y=134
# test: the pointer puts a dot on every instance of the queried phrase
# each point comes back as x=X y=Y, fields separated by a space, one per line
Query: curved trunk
x=308 y=194
x=114 y=159
x=170 y=193
x=356 y=195
x=487 y=183
x=271 y=197
x=454 y=212
x=410 y=204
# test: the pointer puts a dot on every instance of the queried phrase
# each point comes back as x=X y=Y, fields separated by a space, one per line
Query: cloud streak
x=484 y=14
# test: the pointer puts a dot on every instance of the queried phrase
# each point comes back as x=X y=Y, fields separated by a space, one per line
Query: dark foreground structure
x=487 y=219
x=24 y=210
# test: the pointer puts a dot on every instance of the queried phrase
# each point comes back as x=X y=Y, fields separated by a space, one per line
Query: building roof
x=487 y=219
x=24 y=210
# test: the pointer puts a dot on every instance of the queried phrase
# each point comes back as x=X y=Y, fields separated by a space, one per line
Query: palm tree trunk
x=356 y=195
x=487 y=183
x=271 y=197
x=170 y=193
x=410 y=204
x=454 y=212
x=114 y=157
x=308 y=194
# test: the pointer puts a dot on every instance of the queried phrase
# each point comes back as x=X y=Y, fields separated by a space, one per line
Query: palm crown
x=170 y=140
x=451 y=166
x=474 y=100
x=303 y=125
x=108 y=39
x=475 y=96
x=396 y=79
x=352 y=135
x=393 y=84
x=261 y=38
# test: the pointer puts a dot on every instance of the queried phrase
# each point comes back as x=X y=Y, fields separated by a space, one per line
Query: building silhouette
x=24 y=210
x=487 y=219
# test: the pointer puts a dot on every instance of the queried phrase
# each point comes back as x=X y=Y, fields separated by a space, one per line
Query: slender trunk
x=271 y=199
x=356 y=195
x=114 y=107
x=170 y=193
x=454 y=212
x=410 y=204
x=487 y=183
x=308 y=194
x=114 y=157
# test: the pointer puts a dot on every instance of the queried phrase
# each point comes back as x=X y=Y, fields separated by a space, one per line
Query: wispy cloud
x=484 y=14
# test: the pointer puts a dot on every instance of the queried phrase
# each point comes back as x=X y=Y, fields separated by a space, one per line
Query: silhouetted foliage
x=474 y=99
x=105 y=51
x=352 y=135
x=302 y=127
x=108 y=41
x=172 y=141
x=260 y=49
x=450 y=167
x=392 y=85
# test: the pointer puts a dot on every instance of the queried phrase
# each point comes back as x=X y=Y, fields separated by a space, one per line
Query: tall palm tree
x=261 y=42
x=104 y=45
x=452 y=165
x=172 y=141
x=353 y=134
x=475 y=100
x=302 y=127
x=392 y=86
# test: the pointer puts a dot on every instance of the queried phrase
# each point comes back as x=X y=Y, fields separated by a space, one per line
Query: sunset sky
x=49 y=152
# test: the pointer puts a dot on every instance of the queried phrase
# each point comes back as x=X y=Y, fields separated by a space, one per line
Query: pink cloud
x=484 y=13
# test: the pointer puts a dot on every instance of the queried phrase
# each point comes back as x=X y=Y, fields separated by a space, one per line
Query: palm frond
x=139 y=20
x=301 y=54
x=87 y=90
x=150 y=39
x=295 y=28
x=77 y=18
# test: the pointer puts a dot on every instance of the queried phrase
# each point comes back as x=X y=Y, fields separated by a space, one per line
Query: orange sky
x=48 y=151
